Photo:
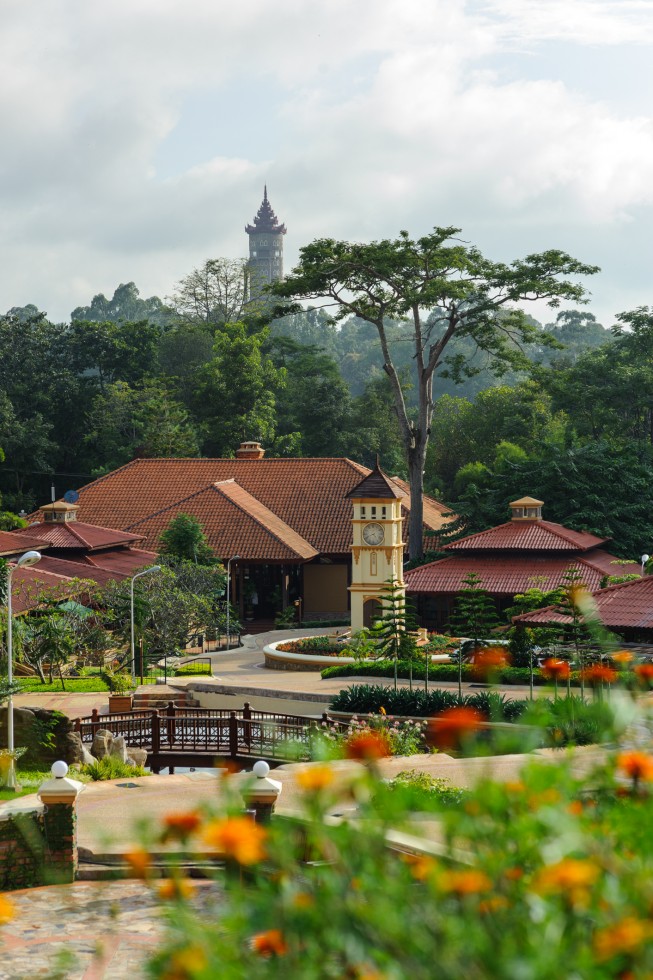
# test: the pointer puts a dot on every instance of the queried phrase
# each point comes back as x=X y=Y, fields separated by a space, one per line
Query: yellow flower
x=238 y=838
x=7 y=910
x=175 y=888
x=186 y=963
x=622 y=937
x=139 y=861
x=467 y=882
x=315 y=779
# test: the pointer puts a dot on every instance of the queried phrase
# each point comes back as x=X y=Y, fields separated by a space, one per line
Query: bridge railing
x=218 y=731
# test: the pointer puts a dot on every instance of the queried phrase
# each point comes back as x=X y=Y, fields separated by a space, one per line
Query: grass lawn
x=29 y=781
x=76 y=685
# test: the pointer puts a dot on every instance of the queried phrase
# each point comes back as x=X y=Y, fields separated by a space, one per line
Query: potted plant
x=120 y=686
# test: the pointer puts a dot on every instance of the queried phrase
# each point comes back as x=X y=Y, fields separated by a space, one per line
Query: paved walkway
x=90 y=930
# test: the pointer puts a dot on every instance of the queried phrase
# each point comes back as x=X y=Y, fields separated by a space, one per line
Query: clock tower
x=265 y=248
x=378 y=549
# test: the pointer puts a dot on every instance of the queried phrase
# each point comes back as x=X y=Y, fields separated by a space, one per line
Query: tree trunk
x=416 y=522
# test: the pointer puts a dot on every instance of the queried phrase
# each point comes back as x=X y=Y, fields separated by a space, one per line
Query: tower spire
x=265 y=247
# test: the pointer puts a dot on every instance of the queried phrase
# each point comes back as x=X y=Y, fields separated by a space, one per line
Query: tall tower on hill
x=265 y=248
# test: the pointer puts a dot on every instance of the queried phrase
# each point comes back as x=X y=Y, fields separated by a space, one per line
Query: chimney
x=250 y=450
x=59 y=512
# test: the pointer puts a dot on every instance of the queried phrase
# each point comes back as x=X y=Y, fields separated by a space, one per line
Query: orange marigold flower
x=622 y=937
x=571 y=877
x=179 y=826
x=171 y=889
x=367 y=745
x=488 y=660
x=496 y=903
x=637 y=765
x=450 y=728
x=270 y=943
x=303 y=900
x=238 y=838
x=622 y=657
x=7 y=910
x=186 y=963
x=514 y=874
x=421 y=865
x=644 y=672
x=600 y=674
x=575 y=808
x=139 y=861
x=556 y=670
x=315 y=778
x=467 y=882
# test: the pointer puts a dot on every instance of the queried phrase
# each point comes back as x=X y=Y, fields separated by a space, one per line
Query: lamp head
x=29 y=558
x=645 y=558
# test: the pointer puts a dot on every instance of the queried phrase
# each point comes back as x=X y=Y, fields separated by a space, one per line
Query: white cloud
x=365 y=117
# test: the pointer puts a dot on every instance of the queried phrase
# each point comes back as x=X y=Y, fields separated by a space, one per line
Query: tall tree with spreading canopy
x=440 y=288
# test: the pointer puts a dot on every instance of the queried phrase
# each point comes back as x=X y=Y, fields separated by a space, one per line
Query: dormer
x=59 y=512
x=526 y=509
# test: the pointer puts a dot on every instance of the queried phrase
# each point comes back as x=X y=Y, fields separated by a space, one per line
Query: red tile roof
x=78 y=535
x=527 y=535
x=627 y=605
x=77 y=569
x=28 y=583
x=307 y=495
x=508 y=576
x=19 y=541
x=234 y=522
x=119 y=563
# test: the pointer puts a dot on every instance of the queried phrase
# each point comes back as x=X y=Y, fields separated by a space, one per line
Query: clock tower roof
x=376 y=486
x=266 y=221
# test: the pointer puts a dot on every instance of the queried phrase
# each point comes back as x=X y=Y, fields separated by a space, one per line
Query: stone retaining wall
x=37 y=845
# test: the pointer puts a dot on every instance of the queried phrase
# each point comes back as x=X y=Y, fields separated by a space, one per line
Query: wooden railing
x=181 y=735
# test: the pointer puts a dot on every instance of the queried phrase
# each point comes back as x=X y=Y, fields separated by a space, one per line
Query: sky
x=136 y=136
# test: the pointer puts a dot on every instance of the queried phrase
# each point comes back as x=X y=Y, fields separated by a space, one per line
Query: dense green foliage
x=364 y=698
x=570 y=423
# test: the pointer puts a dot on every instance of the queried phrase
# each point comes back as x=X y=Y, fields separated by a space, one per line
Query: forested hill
x=129 y=376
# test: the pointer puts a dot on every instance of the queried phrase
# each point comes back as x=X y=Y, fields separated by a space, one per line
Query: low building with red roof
x=626 y=608
x=525 y=552
x=288 y=520
x=70 y=549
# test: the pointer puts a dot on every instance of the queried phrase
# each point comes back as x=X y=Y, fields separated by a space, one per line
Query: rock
x=76 y=753
x=118 y=748
x=102 y=742
x=136 y=756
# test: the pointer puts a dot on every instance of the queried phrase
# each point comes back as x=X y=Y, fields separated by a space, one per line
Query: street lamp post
x=234 y=558
x=29 y=558
x=146 y=571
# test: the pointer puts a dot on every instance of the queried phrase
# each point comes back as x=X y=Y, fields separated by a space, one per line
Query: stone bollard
x=59 y=796
x=262 y=795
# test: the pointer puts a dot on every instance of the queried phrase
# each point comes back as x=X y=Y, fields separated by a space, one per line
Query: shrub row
x=370 y=698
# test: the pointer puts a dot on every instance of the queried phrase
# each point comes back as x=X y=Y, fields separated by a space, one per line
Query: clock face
x=373 y=534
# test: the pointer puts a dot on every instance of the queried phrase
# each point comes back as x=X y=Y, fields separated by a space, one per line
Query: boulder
x=136 y=756
x=75 y=752
x=102 y=742
x=118 y=748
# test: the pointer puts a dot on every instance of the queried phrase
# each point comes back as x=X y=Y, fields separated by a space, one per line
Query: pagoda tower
x=265 y=248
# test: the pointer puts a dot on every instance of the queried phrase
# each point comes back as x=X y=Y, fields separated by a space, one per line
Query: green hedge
x=370 y=698
x=187 y=670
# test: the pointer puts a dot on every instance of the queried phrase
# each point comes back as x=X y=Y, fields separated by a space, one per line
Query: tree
x=125 y=305
x=184 y=539
x=445 y=289
x=394 y=627
x=215 y=294
x=235 y=394
x=474 y=616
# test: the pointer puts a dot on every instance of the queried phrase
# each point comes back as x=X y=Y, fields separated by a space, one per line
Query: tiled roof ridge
x=175 y=503
x=256 y=520
x=558 y=530
x=555 y=529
